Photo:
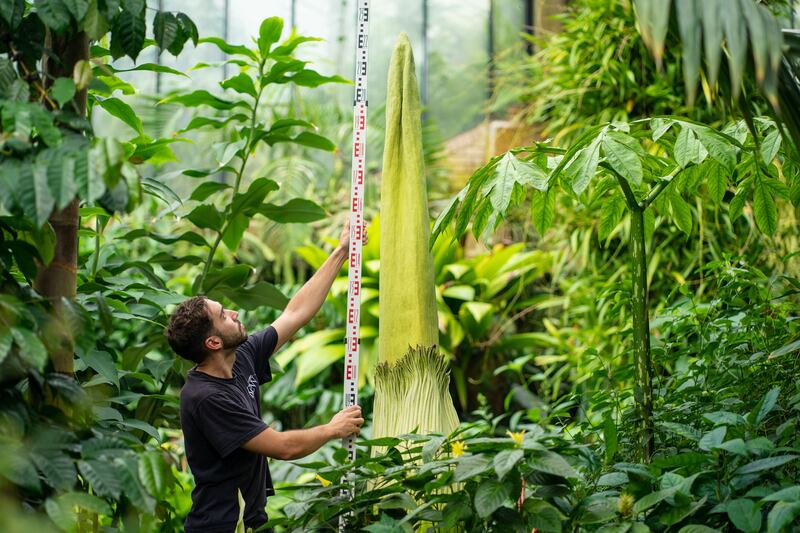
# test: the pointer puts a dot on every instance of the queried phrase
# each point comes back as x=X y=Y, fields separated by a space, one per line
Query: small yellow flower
x=458 y=448
x=324 y=481
x=625 y=505
x=517 y=437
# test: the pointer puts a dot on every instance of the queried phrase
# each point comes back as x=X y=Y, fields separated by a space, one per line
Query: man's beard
x=233 y=340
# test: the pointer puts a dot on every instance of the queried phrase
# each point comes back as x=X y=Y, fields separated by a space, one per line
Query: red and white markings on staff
x=353 y=330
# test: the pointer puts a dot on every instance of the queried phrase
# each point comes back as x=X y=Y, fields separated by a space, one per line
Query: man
x=226 y=440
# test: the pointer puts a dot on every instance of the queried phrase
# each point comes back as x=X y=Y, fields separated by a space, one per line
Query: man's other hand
x=346 y=422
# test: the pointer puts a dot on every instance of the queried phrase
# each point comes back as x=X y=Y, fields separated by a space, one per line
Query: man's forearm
x=302 y=442
x=311 y=295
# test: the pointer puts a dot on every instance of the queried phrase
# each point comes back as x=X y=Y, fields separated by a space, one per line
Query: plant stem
x=245 y=156
x=643 y=371
x=658 y=189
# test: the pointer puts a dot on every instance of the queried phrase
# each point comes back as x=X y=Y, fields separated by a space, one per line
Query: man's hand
x=344 y=237
x=346 y=422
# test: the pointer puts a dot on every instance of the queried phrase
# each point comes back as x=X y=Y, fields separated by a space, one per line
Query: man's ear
x=213 y=343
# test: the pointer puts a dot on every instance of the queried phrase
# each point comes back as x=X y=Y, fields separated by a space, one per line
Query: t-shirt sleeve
x=259 y=348
x=225 y=424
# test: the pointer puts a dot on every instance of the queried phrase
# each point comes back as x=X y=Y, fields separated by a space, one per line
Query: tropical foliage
x=616 y=307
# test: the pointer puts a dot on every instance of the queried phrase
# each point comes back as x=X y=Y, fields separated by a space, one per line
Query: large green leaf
x=129 y=480
x=769 y=463
x=509 y=172
x=680 y=210
x=215 y=123
x=102 y=363
x=234 y=231
x=202 y=98
x=128 y=34
x=471 y=465
x=165 y=29
x=154 y=473
x=713 y=439
x=62 y=90
x=12 y=11
x=542 y=516
x=622 y=158
x=764 y=208
x=612 y=212
x=770 y=145
x=309 y=78
x=688 y=148
x=54 y=13
x=206 y=189
x=745 y=515
x=247 y=203
x=33 y=192
x=57 y=467
x=722 y=150
x=241 y=83
x=122 y=111
x=305 y=138
x=490 y=496
x=716 y=182
x=188 y=236
x=764 y=406
x=296 y=210
x=95 y=24
x=149 y=67
x=86 y=502
x=505 y=460
x=77 y=8
x=782 y=515
x=62 y=168
x=584 y=166
x=230 y=49
x=31 y=348
x=553 y=463
x=206 y=216
x=543 y=210
x=268 y=34
x=102 y=476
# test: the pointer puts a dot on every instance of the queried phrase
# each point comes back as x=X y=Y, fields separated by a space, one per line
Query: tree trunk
x=58 y=280
x=643 y=384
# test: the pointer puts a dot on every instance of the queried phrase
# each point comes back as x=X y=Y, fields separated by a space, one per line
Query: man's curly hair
x=188 y=328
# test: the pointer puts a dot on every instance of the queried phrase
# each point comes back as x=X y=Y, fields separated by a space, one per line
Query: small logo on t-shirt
x=252 y=385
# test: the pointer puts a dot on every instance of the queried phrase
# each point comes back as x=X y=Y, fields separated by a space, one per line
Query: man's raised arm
x=308 y=300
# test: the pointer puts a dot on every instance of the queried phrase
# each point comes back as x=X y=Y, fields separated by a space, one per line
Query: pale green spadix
x=411 y=381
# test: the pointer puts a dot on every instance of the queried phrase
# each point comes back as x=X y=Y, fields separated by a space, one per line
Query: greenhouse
x=362 y=265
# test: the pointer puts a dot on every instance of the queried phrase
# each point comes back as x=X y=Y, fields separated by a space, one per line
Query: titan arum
x=412 y=378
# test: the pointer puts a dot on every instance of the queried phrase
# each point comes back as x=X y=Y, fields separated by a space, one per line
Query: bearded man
x=226 y=440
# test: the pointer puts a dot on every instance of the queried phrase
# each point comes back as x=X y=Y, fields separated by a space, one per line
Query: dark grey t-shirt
x=218 y=415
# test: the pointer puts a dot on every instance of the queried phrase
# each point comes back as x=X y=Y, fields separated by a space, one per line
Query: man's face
x=226 y=325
